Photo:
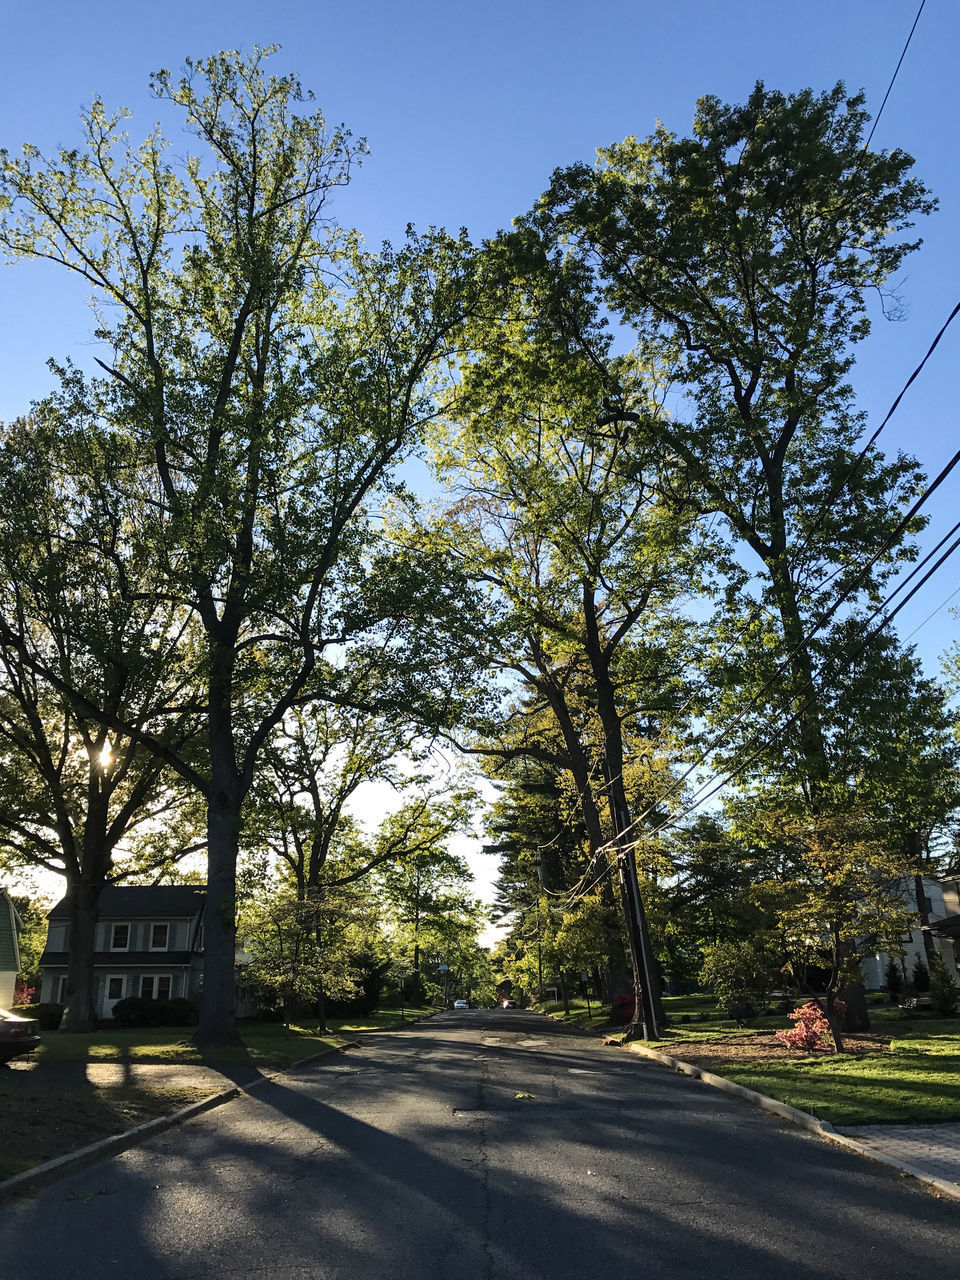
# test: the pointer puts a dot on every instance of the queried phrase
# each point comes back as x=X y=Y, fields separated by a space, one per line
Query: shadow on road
x=359 y=1167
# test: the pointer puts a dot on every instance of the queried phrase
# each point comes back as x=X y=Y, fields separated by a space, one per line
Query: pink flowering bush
x=812 y=1029
x=22 y=994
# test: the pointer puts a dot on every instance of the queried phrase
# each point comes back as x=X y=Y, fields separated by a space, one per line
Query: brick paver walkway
x=933 y=1149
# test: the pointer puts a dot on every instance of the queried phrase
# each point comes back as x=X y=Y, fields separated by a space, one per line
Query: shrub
x=920 y=976
x=893 y=979
x=738 y=975
x=176 y=1012
x=623 y=1009
x=48 y=1015
x=944 y=991
x=811 y=1029
x=135 y=1011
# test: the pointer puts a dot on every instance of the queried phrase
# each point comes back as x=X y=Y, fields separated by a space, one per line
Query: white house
x=148 y=942
x=942 y=910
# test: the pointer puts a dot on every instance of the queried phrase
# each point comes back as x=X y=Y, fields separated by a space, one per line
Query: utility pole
x=644 y=1009
x=539 y=941
x=644 y=1012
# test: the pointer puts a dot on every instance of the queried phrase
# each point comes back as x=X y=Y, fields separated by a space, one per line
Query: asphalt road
x=421 y=1157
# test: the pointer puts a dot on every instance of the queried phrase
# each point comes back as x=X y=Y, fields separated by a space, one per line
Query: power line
x=717 y=782
x=930 y=616
x=824 y=618
x=893 y=78
x=782 y=668
x=855 y=467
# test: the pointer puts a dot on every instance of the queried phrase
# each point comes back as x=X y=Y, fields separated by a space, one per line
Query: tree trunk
x=79 y=1012
x=834 y=1020
x=218 y=1015
x=803 y=678
x=857 y=1017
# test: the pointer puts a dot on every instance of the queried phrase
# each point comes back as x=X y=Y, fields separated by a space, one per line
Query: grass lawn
x=265 y=1045
x=706 y=1022
x=380 y=1019
x=696 y=1017
x=578 y=1016
x=918 y=1080
x=47 y=1117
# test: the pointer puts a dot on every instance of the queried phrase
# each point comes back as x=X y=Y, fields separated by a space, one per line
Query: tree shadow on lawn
x=895 y=1097
x=54 y=1110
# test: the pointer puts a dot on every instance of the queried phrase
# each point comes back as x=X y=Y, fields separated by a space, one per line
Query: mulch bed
x=713 y=1055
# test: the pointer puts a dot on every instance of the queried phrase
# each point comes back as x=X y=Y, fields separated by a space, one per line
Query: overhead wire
x=783 y=666
x=848 y=659
x=931 y=616
x=843 y=595
x=893 y=78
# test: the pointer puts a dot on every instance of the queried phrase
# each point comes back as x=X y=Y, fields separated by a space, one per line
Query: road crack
x=484 y=1167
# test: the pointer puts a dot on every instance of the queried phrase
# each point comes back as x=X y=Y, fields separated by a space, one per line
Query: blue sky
x=467 y=109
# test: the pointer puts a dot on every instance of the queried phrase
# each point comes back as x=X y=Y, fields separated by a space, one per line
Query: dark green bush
x=944 y=991
x=738 y=975
x=48 y=1015
x=176 y=1012
x=134 y=1011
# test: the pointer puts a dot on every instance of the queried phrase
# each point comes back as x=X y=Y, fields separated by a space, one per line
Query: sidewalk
x=933 y=1149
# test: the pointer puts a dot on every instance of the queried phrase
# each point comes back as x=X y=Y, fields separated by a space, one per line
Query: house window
x=155 y=986
x=120 y=937
x=159 y=935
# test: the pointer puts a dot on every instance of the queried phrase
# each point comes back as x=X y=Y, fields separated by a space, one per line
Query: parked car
x=508 y=1004
x=17 y=1035
x=460 y=1004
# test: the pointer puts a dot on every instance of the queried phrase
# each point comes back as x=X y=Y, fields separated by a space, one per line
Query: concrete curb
x=822 y=1128
x=42 y=1175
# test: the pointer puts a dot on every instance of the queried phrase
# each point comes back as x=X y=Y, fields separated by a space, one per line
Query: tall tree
x=743 y=256
x=76 y=798
x=271 y=371
x=566 y=527
x=314 y=766
x=423 y=883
